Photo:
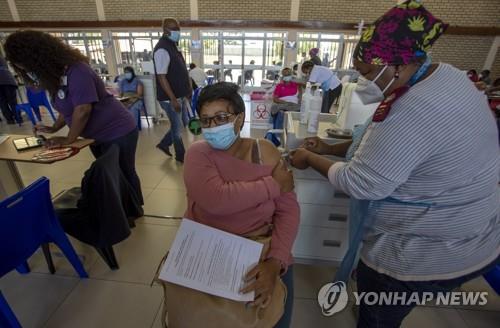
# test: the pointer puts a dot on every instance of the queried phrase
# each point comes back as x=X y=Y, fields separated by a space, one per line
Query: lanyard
x=385 y=106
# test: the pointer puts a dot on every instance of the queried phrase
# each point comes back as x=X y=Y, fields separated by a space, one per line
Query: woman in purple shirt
x=78 y=94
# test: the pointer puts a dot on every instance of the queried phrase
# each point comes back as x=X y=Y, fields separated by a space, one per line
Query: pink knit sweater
x=239 y=197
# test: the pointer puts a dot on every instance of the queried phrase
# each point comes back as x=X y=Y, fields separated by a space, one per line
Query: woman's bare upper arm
x=270 y=154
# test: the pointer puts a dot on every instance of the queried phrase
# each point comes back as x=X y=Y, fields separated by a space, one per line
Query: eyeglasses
x=219 y=119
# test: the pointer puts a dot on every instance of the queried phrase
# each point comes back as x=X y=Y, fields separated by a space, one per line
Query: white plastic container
x=314 y=111
x=304 y=106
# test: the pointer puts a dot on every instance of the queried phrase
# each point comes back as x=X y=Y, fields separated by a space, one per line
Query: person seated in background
x=216 y=71
x=472 y=75
x=330 y=84
x=314 y=54
x=495 y=88
x=286 y=95
x=229 y=72
x=485 y=77
x=197 y=75
x=249 y=74
x=242 y=186
x=132 y=88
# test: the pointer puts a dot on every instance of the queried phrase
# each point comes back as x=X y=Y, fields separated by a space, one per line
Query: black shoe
x=180 y=160
x=11 y=122
x=165 y=150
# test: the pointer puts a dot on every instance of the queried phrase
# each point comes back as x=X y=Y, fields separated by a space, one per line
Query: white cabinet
x=324 y=214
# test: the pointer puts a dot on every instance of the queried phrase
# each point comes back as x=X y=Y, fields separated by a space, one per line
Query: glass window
x=351 y=37
x=185 y=48
x=209 y=34
x=308 y=36
x=232 y=34
x=276 y=35
x=331 y=36
x=328 y=52
x=347 y=55
x=211 y=51
x=254 y=34
x=274 y=53
x=253 y=52
x=304 y=47
x=233 y=52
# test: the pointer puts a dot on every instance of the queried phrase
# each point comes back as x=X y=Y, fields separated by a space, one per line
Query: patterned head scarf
x=313 y=52
x=401 y=36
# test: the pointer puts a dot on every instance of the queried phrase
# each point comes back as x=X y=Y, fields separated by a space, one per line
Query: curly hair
x=43 y=54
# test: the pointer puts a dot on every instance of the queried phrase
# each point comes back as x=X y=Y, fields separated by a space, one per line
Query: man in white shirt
x=330 y=84
x=197 y=75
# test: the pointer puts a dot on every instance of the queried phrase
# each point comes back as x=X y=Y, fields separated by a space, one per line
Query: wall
x=464 y=52
x=495 y=69
x=5 y=14
x=145 y=10
x=56 y=10
x=245 y=9
x=454 y=12
x=345 y=11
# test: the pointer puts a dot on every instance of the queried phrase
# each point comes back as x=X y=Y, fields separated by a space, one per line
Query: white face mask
x=369 y=92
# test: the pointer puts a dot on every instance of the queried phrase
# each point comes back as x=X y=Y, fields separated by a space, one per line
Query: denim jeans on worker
x=174 y=135
x=286 y=319
x=389 y=316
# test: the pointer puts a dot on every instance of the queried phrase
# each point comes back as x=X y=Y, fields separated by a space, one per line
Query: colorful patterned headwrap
x=401 y=36
x=313 y=52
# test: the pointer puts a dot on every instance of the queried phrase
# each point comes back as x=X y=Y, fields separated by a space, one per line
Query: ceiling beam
x=225 y=24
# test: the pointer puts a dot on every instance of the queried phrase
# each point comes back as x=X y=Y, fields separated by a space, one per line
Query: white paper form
x=210 y=260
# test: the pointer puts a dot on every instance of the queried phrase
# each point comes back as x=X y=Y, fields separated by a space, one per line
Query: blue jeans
x=389 y=316
x=286 y=319
x=135 y=110
x=174 y=135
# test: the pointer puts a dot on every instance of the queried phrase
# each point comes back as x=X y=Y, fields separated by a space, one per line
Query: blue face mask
x=128 y=76
x=175 y=36
x=287 y=78
x=220 y=137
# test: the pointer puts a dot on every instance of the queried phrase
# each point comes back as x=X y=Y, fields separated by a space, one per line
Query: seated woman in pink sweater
x=241 y=185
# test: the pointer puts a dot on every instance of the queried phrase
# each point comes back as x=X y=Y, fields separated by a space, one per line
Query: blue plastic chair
x=28 y=110
x=27 y=221
x=37 y=98
x=493 y=278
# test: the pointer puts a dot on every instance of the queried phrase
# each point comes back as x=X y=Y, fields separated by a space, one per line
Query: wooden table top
x=9 y=153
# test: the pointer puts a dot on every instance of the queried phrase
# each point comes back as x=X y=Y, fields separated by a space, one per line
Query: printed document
x=210 y=260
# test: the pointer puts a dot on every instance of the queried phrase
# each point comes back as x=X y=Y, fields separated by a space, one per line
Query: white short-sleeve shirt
x=162 y=61
x=320 y=74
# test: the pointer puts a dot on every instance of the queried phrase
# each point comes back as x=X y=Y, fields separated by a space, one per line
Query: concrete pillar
x=196 y=52
x=291 y=53
x=492 y=54
x=109 y=52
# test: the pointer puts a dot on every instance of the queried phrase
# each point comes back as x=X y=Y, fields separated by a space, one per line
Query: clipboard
x=27 y=143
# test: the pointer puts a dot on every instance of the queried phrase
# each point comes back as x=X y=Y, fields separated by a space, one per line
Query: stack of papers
x=210 y=260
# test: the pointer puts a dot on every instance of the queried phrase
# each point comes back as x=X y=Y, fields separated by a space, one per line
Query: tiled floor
x=124 y=298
